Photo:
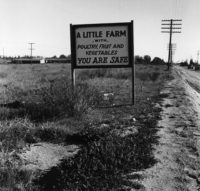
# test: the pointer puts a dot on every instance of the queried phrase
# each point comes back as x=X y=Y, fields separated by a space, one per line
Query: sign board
x=107 y=45
x=102 y=45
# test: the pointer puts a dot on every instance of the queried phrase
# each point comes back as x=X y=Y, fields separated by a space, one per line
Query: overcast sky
x=46 y=23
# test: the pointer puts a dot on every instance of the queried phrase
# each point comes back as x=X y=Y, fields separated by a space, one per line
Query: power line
x=171 y=26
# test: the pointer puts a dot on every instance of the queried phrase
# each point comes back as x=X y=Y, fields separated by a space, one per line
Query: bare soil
x=42 y=156
x=178 y=151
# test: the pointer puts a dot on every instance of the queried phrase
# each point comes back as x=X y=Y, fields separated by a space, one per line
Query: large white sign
x=102 y=45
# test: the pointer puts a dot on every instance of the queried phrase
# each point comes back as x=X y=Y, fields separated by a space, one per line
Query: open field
x=38 y=106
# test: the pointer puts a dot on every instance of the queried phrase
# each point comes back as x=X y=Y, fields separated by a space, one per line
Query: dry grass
x=48 y=102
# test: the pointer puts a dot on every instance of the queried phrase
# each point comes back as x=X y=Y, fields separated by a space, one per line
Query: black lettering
x=78 y=35
x=118 y=46
x=119 y=60
x=100 y=60
x=123 y=33
x=105 y=46
x=92 y=34
x=84 y=60
x=115 y=33
x=88 y=46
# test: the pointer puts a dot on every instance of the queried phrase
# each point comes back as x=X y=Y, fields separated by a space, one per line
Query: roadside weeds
x=105 y=156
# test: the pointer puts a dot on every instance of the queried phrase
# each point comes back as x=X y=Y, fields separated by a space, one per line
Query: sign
x=107 y=45
x=102 y=45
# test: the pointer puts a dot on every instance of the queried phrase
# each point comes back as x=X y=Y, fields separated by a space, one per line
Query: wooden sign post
x=108 y=45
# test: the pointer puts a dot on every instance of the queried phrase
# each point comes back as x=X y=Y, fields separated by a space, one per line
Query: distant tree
x=184 y=63
x=62 y=56
x=158 y=61
x=147 y=59
x=191 y=62
x=139 y=60
x=69 y=56
x=54 y=56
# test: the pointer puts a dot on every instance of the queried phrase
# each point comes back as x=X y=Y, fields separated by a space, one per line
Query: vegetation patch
x=3 y=75
x=104 y=73
x=49 y=111
x=103 y=160
x=54 y=99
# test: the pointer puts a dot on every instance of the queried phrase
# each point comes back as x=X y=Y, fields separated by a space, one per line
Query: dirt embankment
x=178 y=151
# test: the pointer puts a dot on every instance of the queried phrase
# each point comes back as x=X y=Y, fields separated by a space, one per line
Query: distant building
x=39 y=60
x=57 y=60
x=26 y=60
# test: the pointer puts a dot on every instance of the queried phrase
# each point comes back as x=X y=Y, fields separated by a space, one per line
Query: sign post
x=133 y=63
x=108 y=45
x=72 y=65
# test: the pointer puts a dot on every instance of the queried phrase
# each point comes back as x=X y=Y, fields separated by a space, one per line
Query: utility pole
x=172 y=49
x=171 y=26
x=198 y=56
x=31 y=43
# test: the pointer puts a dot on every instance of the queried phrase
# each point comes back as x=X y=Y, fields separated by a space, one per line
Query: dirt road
x=178 y=151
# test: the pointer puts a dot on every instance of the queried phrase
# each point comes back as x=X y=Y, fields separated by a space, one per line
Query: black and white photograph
x=99 y=95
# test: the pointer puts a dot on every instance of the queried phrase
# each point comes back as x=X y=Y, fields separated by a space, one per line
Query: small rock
x=168 y=105
x=134 y=119
x=108 y=96
x=128 y=118
x=150 y=115
x=104 y=126
x=192 y=156
x=157 y=105
x=191 y=173
x=196 y=133
x=129 y=131
x=198 y=145
x=142 y=116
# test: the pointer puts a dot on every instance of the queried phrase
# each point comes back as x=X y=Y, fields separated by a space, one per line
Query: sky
x=47 y=24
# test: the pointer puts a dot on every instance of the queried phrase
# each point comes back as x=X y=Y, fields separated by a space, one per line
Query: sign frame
x=131 y=60
x=73 y=44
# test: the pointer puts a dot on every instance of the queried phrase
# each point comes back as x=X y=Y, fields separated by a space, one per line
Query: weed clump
x=14 y=135
x=103 y=160
x=148 y=76
x=54 y=99
x=104 y=73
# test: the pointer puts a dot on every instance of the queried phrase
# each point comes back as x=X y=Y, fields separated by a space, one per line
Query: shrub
x=54 y=99
x=154 y=76
x=14 y=134
x=104 y=73
x=146 y=76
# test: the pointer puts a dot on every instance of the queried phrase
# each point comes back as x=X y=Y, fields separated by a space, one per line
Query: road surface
x=178 y=151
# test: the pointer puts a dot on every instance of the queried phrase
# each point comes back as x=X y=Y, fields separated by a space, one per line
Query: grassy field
x=37 y=105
